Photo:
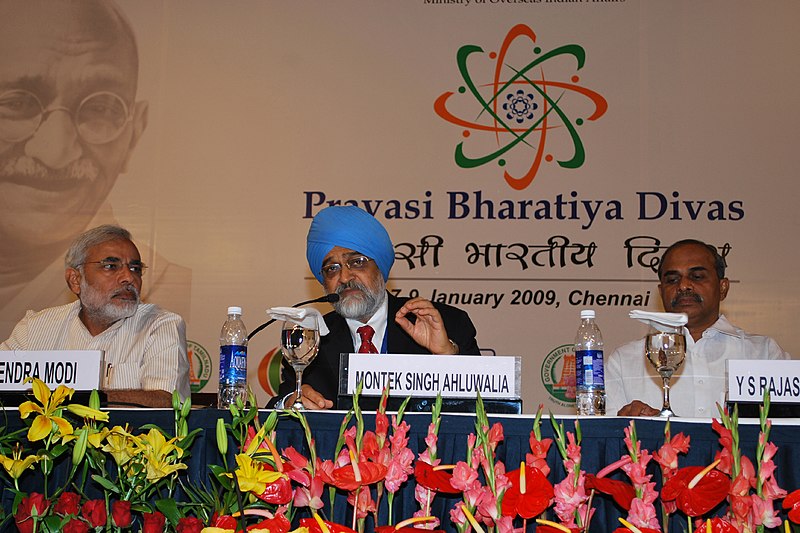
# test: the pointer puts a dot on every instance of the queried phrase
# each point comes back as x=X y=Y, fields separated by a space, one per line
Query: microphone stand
x=328 y=298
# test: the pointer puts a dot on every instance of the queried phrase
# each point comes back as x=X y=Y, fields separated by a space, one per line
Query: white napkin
x=663 y=322
x=302 y=316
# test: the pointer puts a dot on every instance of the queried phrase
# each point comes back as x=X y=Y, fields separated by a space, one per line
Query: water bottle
x=232 y=360
x=590 y=398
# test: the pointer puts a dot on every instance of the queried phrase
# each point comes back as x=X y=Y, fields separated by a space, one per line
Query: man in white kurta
x=692 y=281
x=699 y=384
x=144 y=345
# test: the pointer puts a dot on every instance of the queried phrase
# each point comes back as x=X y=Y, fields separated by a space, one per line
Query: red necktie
x=366 y=333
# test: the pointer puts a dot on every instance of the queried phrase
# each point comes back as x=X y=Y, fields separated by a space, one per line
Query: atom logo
x=522 y=108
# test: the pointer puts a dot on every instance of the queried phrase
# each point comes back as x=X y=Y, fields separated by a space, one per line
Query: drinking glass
x=666 y=351
x=299 y=345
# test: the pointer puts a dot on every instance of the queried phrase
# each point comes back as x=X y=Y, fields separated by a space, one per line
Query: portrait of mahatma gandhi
x=69 y=121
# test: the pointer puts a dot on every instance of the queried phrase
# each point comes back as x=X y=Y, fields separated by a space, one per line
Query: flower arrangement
x=91 y=476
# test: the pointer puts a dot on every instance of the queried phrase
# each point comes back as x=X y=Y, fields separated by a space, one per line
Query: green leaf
x=106 y=483
x=170 y=510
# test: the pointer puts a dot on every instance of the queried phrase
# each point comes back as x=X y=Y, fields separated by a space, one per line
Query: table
x=602 y=444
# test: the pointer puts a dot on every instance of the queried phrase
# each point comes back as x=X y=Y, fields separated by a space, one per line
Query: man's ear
x=73 y=277
x=724 y=285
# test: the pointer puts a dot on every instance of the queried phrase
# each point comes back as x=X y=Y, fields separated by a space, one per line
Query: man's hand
x=311 y=399
x=428 y=330
x=638 y=408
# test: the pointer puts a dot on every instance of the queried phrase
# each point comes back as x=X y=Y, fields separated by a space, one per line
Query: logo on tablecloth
x=558 y=375
x=520 y=107
x=199 y=366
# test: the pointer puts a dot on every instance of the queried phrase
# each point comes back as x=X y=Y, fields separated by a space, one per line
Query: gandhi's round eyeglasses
x=111 y=266
x=359 y=262
x=98 y=119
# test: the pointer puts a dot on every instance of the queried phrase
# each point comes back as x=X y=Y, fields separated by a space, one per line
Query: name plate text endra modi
x=425 y=376
x=77 y=369
x=748 y=379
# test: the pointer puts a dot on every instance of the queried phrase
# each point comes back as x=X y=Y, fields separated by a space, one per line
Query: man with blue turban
x=351 y=254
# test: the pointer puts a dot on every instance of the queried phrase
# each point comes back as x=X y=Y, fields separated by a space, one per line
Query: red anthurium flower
x=642 y=529
x=792 y=501
x=278 y=492
x=224 y=522
x=544 y=528
x=536 y=498
x=623 y=493
x=718 y=525
x=436 y=480
x=314 y=527
x=699 y=499
x=345 y=478
x=279 y=524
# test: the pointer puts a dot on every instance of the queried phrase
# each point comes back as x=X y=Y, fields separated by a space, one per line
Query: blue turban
x=348 y=226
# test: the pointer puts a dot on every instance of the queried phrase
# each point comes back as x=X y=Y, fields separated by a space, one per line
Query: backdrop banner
x=529 y=159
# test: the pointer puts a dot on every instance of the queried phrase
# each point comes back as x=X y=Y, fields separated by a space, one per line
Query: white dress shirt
x=699 y=384
x=145 y=351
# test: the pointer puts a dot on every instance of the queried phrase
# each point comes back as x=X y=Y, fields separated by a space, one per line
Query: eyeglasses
x=357 y=263
x=98 y=119
x=111 y=266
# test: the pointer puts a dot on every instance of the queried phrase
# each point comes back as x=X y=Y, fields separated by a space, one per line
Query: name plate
x=748 y=379
x=425 y=376
x=77 y=369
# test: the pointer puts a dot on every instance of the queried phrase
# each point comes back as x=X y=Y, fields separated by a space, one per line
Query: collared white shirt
x=145 y=351
x=378 y=322
x=701 y=381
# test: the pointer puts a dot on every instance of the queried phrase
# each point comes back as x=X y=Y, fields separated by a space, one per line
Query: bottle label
x=589 y=368
x=233 y=364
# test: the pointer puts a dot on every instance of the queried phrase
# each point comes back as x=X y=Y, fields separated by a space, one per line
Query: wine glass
x=666 y=350
x=299 y=345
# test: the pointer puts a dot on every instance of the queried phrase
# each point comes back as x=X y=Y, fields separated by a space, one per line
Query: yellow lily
x=87 y=413
x=16 y=465
x=120 y=444
x=47 y=412
x=158 y=455
x=252 y=477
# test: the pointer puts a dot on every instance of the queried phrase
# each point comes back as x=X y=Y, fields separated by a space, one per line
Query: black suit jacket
x=323 y=372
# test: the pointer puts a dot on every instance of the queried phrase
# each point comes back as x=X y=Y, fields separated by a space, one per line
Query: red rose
x=189 y=524
x=76 y=525
x=94 y=511
x=154 y=522
x=25 y=510
x=68 y=503
x=121 y=513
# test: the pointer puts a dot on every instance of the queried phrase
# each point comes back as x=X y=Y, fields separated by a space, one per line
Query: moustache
x=352 y=284
x=126 y=289
x=687 y=294
x=21 y=166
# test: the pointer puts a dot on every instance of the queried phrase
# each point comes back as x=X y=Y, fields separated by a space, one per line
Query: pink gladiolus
x=399 y=438
x=573 y=450
x=464 y=477
x=495 y=435
x=643 y=514
x=538 y=456
x=310 y=496
x=399 y=469
x=365 y=504
x=763 y=513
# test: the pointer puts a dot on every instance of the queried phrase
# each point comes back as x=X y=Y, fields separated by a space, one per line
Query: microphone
x=328 y=298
